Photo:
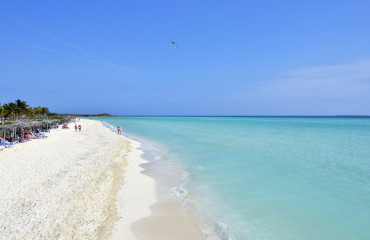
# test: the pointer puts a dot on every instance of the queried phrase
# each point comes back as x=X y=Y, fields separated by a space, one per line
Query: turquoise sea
x=267 y=178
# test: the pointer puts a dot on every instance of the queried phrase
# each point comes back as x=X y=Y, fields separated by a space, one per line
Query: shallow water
x=268 y=177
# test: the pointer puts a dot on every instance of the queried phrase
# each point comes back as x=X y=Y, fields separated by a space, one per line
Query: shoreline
x=146 y=207
x=92 y=184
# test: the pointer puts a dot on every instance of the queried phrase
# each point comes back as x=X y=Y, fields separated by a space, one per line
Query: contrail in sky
x=98 y=59
x=61 y=53
x=93 y=58
x=66 y=43
x=76 y=47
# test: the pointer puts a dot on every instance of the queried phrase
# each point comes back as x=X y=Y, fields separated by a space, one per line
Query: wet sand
x=153 y=213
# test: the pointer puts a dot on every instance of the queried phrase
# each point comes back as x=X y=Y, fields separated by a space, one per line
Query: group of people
x=25 y=135
x=79 y=127
x=38 y=133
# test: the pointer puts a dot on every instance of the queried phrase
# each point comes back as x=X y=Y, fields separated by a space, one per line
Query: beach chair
x=8 y=144
x=37 y=135
x=40 y=135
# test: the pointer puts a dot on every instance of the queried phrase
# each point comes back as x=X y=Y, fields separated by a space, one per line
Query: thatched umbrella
x=19 y=126
x=6 y=128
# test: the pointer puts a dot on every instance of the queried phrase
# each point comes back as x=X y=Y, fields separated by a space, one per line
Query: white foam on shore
x=155 y=152
x=214 y=230
x=138 y=198
x=151 y=152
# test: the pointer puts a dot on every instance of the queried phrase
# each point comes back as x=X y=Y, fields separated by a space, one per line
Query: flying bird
x=174 y=45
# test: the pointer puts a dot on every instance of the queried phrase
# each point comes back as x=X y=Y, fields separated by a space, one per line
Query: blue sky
x=234 y=57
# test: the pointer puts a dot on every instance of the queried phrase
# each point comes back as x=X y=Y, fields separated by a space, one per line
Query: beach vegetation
x=21 y=110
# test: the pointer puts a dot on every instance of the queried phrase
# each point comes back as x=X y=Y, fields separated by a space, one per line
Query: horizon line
x=160 y=115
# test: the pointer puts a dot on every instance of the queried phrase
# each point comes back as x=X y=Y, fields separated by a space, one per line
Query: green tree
x=19 y=107
x=22 y=107
x=2 y=111
x=45 y=110
x=10 y=109
x=37 y=110
x=30 y=112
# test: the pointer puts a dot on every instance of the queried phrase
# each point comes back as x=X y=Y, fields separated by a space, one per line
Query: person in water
x=119 y=129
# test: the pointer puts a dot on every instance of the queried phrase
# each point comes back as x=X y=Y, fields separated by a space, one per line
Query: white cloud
x=323 y=90
x=342 y=82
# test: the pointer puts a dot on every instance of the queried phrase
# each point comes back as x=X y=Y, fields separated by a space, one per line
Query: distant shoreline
x=94 y=115
x=251 y=116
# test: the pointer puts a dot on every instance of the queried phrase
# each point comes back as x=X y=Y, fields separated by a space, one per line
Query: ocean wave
x=109 y=126
x=180 y=192
x=185 y=177
x=213 y=230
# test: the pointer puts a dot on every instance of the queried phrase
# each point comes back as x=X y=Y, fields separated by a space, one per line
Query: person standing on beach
x=76 y=127
x=22 y=135
x=79 y=127
x=119 y=129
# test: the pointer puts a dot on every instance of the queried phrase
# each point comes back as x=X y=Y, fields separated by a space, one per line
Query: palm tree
x=19 y=108
x=45 y=110
x=2 y=114
x=37 y=110
x=22 y=107
x=10 y=109
x=30 y=112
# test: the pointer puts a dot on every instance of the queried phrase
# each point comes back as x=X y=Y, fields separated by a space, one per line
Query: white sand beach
x=85 y=185
x=147 y=210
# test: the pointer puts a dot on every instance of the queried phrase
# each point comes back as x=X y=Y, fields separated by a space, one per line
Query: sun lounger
x=6 y=144
x=9 y=144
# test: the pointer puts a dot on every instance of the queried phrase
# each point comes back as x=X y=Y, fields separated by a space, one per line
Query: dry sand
x=85 y=185
x=62 y=187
